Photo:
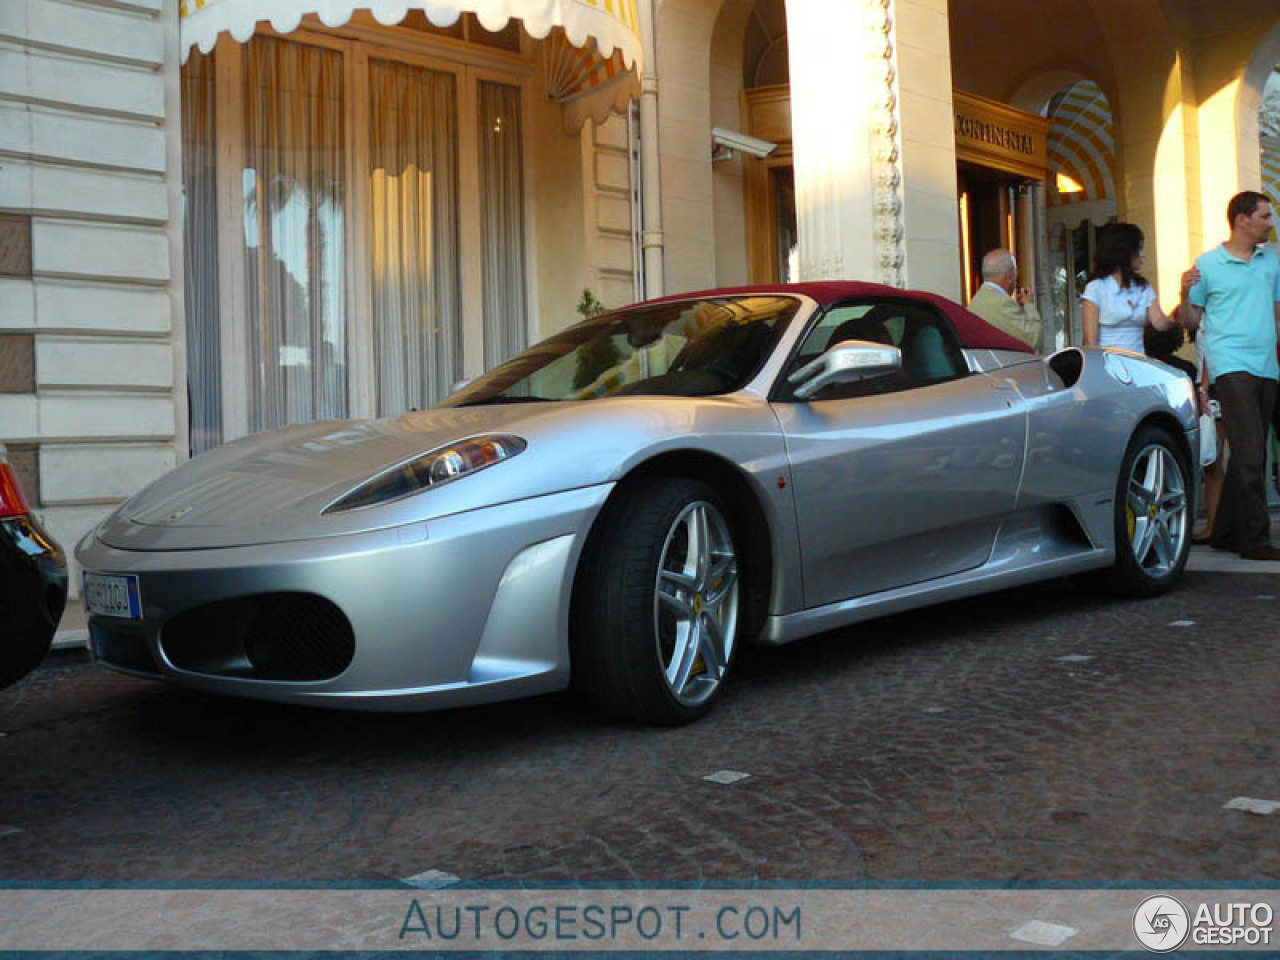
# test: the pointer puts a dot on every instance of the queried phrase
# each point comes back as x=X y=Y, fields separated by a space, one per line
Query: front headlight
x=430 y=469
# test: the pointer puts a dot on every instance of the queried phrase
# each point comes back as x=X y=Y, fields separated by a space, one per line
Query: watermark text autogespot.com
x=599 y=921
x=567 y=922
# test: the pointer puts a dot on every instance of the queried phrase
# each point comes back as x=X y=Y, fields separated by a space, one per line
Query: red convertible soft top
x=974 y=332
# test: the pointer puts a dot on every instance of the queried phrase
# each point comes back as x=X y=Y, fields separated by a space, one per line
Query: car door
x=903 y=478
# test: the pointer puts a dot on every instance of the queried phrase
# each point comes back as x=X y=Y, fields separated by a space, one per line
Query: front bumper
x=464 y=609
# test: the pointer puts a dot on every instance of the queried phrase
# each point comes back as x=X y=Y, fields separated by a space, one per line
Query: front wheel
x=656 y=604
x=1153 y=519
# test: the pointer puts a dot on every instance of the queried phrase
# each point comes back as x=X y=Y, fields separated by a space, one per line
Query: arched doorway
x=1080 y=196
x=769 y=185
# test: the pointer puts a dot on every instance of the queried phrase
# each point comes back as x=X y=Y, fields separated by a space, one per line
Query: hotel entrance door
x=1001 y=164
x=996 y=210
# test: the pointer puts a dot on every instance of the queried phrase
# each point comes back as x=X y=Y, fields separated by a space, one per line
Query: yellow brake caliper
x=699 y=665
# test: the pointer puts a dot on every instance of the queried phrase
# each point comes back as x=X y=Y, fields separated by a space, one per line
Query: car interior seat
x=926 y=359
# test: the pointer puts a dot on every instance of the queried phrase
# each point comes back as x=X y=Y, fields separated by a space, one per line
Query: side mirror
x=847 y=361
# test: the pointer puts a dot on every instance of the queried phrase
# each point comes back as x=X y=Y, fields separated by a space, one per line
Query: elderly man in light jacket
x=1004 y=305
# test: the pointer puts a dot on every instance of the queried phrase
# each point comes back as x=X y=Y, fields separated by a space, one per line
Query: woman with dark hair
x=1118 y=301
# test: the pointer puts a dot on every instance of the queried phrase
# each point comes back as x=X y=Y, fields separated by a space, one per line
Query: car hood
x=274 y=486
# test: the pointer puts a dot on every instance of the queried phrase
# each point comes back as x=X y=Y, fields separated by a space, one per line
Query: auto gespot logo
x=1162 y=924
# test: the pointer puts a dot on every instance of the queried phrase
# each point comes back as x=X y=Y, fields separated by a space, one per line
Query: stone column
x=833 y=136
x=872 y=133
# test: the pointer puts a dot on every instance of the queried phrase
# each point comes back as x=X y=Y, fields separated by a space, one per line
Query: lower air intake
x=121 y=646
x=297 y=637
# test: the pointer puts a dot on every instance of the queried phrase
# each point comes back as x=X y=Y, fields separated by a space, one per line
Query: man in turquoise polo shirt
x=1238 y=298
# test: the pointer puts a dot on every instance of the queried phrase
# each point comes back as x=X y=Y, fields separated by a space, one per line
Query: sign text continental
x=971 y=128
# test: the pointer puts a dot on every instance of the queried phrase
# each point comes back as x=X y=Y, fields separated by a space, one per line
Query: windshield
x=692 y=348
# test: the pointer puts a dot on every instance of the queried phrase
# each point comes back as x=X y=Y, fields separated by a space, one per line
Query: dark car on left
x=33 y=582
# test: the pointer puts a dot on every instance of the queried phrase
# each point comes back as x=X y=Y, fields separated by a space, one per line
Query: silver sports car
x=622 y=506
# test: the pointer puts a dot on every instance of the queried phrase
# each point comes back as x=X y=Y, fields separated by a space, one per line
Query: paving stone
x=1044 y=934
x=1263 y=808
x=430 y=880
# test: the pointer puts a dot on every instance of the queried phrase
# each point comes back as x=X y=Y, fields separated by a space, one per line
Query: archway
x=1258 y=113
x=758 y=44
x=1081 y=190
x=1080 y=195
x=734 y=22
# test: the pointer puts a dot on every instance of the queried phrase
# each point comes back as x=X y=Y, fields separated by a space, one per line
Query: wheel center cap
x=698 y=603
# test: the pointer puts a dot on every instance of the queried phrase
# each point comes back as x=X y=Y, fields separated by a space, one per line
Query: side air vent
x=1067 y=528
x=1067 y=364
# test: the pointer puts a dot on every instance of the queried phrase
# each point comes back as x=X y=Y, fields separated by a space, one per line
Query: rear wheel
x=656 y=604
x=1153 y=518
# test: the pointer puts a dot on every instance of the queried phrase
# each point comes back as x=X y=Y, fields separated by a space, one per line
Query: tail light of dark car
x=33 y=581
x=12 y=502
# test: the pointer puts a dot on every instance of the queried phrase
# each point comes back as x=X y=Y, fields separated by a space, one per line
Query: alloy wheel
x=696 y=603
x=1156 y=509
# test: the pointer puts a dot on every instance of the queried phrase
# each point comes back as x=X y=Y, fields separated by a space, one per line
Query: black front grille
x=121 y=645
x=294 y=636
x=273 y=636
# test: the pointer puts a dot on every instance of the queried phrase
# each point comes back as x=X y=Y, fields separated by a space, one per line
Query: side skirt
x=1022 y=555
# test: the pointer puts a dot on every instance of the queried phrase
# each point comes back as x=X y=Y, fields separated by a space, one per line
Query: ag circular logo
x=1161 y=923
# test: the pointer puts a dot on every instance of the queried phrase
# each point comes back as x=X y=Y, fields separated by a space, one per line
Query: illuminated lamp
x=1065 y=184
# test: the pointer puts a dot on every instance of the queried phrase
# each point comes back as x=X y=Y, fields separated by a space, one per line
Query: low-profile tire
x=1153 y=515
x=656 y=603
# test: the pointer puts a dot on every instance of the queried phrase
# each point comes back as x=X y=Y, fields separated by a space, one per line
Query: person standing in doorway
x=1002 y=303
x=1118 y=301
x=1237 y=298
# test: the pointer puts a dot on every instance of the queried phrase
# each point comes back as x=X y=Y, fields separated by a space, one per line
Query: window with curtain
x=502 y=220
x=277 y=272
x=413 y=177
x=200 y=252
x=295 y=223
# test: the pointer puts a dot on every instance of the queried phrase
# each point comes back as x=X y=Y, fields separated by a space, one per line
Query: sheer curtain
x=502 y=220
x=200 y=227
x=294 y=222
x=413 y=143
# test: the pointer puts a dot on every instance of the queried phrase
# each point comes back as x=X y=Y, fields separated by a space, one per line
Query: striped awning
x=593 y=57
x=1081 y=147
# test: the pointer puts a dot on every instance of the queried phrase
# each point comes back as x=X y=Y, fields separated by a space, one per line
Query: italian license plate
x=112 y=596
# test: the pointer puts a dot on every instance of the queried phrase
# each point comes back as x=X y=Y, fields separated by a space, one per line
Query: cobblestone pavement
x=971 y=741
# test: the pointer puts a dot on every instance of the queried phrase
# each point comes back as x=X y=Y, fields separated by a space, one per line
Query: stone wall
x=607 y=220
x=90 y=295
